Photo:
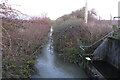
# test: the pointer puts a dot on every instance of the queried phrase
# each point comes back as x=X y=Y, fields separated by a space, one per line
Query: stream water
x=49 y=66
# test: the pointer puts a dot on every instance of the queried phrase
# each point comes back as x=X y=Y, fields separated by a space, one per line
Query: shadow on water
x=49 y=66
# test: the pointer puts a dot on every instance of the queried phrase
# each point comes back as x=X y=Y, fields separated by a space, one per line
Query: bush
x=20 y=41
x=71 y=32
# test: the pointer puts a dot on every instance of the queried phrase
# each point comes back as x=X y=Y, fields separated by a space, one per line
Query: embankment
x=109 y=51
x=21 y=39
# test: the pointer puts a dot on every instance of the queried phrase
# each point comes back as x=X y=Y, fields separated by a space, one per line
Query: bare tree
x=7 y=11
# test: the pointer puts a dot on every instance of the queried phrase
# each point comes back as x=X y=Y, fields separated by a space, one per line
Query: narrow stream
x=49 y=66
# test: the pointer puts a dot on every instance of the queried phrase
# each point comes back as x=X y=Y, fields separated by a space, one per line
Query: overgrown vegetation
x=70 y=31
x=21 y=39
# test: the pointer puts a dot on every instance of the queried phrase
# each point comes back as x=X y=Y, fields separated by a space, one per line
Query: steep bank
x=70 y=32
x=49 y=66
x=21 y=39
x=109 y=51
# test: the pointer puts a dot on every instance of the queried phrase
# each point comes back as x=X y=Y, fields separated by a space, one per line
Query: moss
x=113 y=38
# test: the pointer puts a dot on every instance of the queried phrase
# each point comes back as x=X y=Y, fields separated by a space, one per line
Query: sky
x=57 y=8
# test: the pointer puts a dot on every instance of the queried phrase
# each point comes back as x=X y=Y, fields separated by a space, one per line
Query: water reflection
x=49 y=66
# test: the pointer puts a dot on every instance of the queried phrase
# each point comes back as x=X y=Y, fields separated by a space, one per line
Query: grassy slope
x=25 y=37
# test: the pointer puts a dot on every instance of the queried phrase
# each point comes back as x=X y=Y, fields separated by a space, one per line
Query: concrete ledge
x=113 y=38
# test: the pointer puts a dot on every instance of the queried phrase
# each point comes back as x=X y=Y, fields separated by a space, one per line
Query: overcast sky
x=57 y=8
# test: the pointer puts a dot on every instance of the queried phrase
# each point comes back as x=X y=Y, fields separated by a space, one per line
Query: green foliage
x=113 y=38
x=70 y=31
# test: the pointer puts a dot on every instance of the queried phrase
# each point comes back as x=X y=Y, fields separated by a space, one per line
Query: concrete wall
x=109 y=51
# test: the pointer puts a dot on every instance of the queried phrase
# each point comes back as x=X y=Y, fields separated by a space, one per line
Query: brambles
x=70 y=32
x=21 y=39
